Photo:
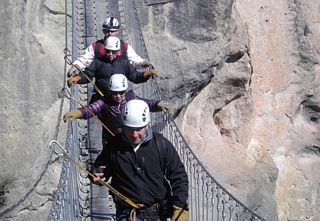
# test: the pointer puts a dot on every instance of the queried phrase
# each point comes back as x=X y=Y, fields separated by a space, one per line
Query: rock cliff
x=33 y=39
x=243 y=77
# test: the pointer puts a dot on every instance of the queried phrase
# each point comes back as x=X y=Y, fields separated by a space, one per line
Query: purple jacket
x=109 y=112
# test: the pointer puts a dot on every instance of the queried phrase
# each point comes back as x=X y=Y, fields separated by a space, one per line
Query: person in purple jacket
x=109 y=108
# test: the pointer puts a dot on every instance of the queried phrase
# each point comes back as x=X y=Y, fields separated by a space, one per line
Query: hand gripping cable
x=94 y=85
x=61 y=152
x=65 y=93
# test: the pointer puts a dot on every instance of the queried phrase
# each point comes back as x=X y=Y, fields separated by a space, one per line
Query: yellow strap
x=62 y=152
x=95 y=86
x=120 y=195
x=97 y=89
x=95 y=116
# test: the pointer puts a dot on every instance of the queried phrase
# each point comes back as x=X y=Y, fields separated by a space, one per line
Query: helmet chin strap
x=143 y=140
x=137 y=146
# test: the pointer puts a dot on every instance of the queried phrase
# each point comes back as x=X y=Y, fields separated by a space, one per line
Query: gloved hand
x=165 y=106
x=150 y=73
x=72 y=69
x=75 y=114
x=179 y=214
x=147 y=63
x=99 y=175
x=73 y=80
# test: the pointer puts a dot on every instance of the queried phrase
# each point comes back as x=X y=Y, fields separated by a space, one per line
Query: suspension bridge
x=76 y=198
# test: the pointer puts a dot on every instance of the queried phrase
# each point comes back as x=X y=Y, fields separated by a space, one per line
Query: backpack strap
x=124 y=48
x=98 y=47
x=160 y=146
x=125 y=44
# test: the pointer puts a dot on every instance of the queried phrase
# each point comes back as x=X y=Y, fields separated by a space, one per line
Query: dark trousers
x=142 y=214
x=138 y=219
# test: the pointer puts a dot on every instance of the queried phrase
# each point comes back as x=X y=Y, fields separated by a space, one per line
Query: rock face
x=32 y=34
x=243 y=77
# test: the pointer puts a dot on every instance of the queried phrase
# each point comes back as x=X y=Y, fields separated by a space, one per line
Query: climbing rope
x=61 y=152
x=65 y=93
x=82 y=72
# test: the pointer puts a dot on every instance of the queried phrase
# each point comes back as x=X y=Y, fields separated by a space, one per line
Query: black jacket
x=143 y=176
x=103 y=70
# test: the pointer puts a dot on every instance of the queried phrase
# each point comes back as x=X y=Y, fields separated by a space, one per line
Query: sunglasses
x=105 y=31
x=118 y=92
x=110 y=51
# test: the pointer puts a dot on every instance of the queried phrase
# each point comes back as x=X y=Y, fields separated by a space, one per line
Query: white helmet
x=112 y=43
x=118 y=82
x=111 y=24
x=136 y=114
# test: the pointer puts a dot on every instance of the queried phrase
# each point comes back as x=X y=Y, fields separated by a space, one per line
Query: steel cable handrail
x=66 y=199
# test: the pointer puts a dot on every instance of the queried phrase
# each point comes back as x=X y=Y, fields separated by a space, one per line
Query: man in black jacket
x=145 y=167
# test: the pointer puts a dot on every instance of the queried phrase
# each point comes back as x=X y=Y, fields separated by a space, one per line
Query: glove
x=179 y=214
x=99 y=175
x=165 y=106
x=146 y=63
x=73 y=80
x=72 y=69
x=150 y=73
x=75 y=114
